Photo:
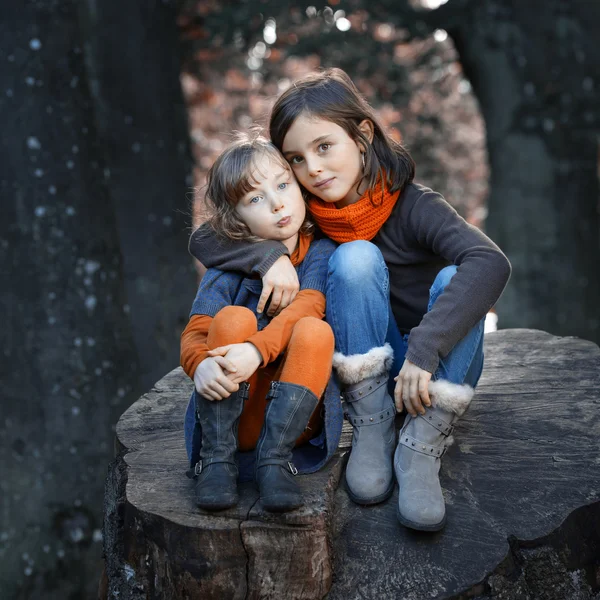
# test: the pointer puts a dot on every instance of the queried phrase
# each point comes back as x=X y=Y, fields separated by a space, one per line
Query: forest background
x=111 y=114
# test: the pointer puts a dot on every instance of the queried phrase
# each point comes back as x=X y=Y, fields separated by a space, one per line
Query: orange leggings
x=307 y=362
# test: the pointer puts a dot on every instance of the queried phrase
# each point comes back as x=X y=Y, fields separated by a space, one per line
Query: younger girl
x=407 y=292
x=233 y=353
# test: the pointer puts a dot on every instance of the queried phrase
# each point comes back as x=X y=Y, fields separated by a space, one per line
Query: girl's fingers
x=219 y=390
x=208 y=394
x=264 y=296
x=275 y=302
x=225 y=364
x=424 y=391
x=414 y=395
x=398 y=396
x=237 y=379
x=227 y=384
x=406 y=399
x=286 y=300
x=220 y=351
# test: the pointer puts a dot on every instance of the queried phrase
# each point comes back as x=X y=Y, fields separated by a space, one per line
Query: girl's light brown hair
x=232 y=176
x=331 y=95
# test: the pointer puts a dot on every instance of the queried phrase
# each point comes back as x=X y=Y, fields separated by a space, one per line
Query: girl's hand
x=211 y=380
x=412 y=389
x=282 y=280
x=243 y=358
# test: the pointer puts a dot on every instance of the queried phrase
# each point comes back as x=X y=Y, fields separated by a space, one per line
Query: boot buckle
x=292 y=468
x=244 y=390
x=273 y=390
x=198 y=468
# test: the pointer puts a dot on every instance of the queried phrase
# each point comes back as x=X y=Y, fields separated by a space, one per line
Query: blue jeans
x=360 y=314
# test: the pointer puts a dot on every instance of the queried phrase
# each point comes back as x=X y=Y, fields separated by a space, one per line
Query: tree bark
x=535 y=69
x=68 y=357
x=133 y=61
x=84 y=207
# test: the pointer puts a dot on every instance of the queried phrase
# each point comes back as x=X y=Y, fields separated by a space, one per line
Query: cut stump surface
x=521 y=482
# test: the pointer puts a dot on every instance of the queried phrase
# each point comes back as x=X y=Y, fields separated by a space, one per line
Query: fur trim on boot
x=356 y=367
x=451 y=397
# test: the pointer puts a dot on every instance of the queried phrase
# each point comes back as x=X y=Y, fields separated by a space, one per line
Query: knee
x=312 y=333
x=235 y=323
x=356 y=261
x=441 y=280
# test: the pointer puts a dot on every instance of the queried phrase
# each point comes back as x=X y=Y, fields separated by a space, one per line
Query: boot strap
x=244 y=390
x=205 y=462
x=374 y=419
x=372 y=384
x=417 y=446
x=438 y=423
x=243 y=393
x=280 y=462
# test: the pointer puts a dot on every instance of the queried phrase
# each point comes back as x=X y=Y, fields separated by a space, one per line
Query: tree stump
x=521 y=483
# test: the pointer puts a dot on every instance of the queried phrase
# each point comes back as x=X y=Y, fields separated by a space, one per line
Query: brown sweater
x=422 y=235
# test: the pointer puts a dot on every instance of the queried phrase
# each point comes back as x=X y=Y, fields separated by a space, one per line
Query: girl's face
x=325 y=159
x=274 y=208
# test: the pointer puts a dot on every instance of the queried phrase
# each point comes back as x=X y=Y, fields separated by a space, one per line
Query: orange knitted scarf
x=359 y=221
x=299 y=253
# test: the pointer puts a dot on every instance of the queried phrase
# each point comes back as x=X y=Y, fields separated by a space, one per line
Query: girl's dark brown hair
x=231 y=177
x=331 y=95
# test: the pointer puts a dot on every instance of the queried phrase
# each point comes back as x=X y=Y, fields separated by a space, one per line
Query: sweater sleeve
x=482 y=273
x=193 y=343
x=213 y=250
x=275 y=337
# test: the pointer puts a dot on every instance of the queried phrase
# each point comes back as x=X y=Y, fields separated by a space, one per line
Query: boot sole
x=370 y=501
x=281 y=504
x=216 y=506
x=420 y=526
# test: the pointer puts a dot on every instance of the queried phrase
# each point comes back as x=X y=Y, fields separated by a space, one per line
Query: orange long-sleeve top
x=270 y=341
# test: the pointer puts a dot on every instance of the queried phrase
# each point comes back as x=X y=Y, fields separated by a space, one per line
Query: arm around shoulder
x=214 y=250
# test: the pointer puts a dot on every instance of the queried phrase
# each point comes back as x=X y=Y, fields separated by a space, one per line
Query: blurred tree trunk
x=134 y=68
x=71 y=357
x=535 y=68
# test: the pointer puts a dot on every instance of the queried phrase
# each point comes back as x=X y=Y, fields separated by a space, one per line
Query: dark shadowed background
x=110 y=115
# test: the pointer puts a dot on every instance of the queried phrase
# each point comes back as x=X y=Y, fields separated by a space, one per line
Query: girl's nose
x=277 y=204
x=313 y=166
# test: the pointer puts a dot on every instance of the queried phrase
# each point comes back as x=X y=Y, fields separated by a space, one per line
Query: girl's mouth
x=285 y=221
x=325 y=183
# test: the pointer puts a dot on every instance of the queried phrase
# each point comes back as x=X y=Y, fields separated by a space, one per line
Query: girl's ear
x=367 y=129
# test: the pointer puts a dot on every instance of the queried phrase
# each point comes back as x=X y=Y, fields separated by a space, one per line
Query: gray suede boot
x=422 y=442
x=217 y=471
x=287 y=416
x=371 y=411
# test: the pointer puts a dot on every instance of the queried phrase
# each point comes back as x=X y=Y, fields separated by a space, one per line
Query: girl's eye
x=324 y=147
x=295 y=160
x=282 y=186
x=255 y=199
